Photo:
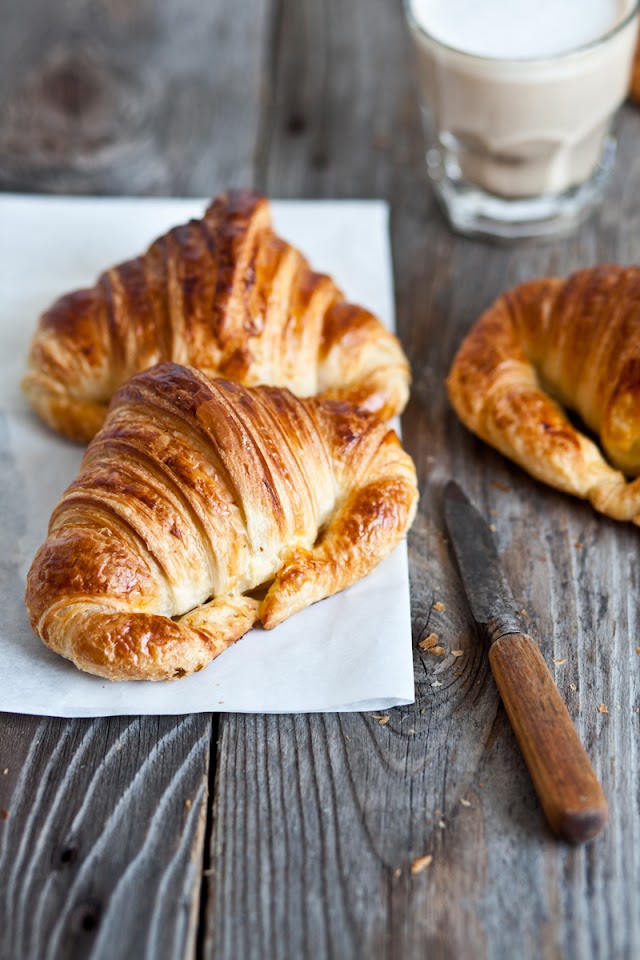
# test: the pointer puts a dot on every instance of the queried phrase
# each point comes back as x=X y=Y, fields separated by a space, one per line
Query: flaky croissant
x=552 y=343
x=224 y=294
x=195 y=493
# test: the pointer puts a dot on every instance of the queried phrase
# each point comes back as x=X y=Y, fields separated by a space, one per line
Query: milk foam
x=518 y=29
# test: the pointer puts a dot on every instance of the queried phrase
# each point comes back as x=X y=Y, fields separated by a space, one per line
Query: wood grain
x=129 y=97
x=100 y=842
x=317 y=819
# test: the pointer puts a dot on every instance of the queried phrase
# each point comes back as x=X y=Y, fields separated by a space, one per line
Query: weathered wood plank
x=129 y=97
x=343 y=121
x=317 y=819
x=101 y=848
x=101 y=853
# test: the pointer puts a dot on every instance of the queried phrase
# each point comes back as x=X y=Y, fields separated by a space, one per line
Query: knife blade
x=564 y=779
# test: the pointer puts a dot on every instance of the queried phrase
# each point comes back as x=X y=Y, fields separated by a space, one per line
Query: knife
x=564 y=779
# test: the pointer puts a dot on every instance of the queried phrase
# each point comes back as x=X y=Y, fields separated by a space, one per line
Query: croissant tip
x=237 y=202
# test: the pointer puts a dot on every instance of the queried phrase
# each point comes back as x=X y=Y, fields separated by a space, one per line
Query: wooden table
x=293 y=836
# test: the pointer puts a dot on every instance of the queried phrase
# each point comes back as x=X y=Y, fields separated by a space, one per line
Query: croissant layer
x=550 y=344
x=203 y=507
x=226 y=295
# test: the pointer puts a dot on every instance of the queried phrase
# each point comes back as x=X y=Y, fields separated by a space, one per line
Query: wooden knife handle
x=565 y=782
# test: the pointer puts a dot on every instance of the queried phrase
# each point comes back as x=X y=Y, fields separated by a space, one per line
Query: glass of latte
x=519 y=99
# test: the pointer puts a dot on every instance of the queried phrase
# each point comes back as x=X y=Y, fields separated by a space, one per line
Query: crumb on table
x=420 y=863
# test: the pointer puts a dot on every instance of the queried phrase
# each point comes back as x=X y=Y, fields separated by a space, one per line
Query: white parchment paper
x=350 y=652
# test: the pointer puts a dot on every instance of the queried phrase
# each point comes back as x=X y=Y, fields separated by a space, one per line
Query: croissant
x=554 y=343
x=196 y=494
x=224 y=294
x=634 y=88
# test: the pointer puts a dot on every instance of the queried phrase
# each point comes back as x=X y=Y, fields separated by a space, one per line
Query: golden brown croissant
x=195 y=493
x=634 y=88
x=224 y=294
x=576 y=341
